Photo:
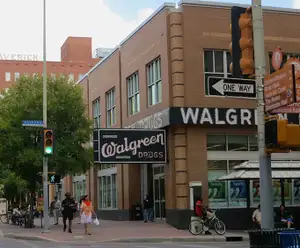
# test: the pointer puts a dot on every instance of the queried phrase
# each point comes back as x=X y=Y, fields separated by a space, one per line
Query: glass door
x=159 y=196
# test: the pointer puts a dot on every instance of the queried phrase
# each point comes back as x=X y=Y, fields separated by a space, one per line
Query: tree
x=14 y=187
x=21 y=147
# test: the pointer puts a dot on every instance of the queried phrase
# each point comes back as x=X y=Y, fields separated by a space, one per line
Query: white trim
x=78 y=178
x=107 y=172
x=229 y=5
x=230 y=155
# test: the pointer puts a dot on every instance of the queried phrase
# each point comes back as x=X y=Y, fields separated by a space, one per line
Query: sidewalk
x=114 y=231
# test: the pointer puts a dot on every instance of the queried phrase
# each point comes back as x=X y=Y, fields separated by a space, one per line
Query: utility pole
x=265 y=170
x=45 y=159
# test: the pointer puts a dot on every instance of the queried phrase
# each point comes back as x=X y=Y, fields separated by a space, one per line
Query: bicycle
x=197 y=227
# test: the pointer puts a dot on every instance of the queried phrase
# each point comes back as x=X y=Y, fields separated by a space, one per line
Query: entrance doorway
x=159 y=191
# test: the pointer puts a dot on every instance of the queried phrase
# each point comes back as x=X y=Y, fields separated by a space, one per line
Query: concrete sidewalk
x=115 y=231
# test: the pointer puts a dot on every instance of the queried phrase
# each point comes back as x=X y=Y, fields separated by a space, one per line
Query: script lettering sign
x=129 y=146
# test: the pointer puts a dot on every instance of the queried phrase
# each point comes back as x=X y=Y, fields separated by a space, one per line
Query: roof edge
x=229 y=5
x=155 y=13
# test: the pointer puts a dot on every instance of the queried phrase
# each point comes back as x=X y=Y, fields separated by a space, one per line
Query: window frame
x=156 y=84
x=16 y=76
x=110 y=103
x=7 y=77
x=133 y=95
x=225 y=74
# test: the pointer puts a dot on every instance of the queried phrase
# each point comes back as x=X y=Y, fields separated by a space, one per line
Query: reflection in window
x=216 y=143
x=237 y=143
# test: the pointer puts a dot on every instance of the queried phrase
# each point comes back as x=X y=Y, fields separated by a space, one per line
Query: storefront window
x=276 y=192
x=217 y=190
x=216 y=143
x=237 y=143
x=107 y=189
x=253 y=143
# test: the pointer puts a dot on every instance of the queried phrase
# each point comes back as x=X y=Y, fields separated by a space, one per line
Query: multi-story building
x=158 y=78
x=76 y=60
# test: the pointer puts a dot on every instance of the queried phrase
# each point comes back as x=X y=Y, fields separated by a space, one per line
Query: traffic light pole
x=265 y=171
x=45 y=159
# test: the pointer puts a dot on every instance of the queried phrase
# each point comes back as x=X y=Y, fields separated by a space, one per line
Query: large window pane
x=217 y=190
x=296 y=184
x=219 y=61
x=208 y=61
x=237 y=143
x=216 y=142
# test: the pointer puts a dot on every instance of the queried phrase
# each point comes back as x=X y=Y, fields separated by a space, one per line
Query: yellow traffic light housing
x=48 y=142
x=246 y=43
x=280 y=134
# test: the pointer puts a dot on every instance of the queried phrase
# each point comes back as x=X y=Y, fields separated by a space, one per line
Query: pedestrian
x=68 y=208
x=147 y=208
x=56 y=210
x=86 y=212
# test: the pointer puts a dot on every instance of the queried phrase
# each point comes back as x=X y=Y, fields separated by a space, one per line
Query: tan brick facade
x=178 y=37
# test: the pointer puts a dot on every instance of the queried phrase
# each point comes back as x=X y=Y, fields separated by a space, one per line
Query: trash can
x=136 y=212
x=289 y=239
x=270 y=238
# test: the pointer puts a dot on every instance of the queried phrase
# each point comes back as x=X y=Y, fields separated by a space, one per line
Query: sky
x=107 y=21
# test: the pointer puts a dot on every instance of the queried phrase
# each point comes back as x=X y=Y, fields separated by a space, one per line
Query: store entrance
x=159 y=191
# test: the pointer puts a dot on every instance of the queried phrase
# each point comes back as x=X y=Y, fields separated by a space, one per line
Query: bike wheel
x=196 y=227
x=3 y=219
x=219 y=227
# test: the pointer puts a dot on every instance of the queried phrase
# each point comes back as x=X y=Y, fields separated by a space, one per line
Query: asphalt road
x=12 y=243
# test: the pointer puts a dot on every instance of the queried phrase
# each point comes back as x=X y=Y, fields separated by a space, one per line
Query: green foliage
x=21 y=147
x=12 y=186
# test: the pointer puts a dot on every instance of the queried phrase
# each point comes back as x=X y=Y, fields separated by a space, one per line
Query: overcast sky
x=106 y=21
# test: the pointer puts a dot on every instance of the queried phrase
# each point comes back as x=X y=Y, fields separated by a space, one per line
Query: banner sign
x=129 y=146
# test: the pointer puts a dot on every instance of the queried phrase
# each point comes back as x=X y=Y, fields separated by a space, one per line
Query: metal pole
x=265 y=171
x=45 y=159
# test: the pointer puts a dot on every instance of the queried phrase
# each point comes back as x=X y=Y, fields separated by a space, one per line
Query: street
x=11 y=243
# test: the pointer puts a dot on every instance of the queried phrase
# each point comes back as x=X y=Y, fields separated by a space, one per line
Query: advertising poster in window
x=238 y=193
x=276 y=192
x=297 y=191
x=217 y=194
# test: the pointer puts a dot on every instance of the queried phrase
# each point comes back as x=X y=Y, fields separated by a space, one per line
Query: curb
x=201 y=239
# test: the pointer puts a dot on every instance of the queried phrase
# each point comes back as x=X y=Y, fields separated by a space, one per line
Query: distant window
x=62 y=75
x=97 y=113
x=7 y=76
x=80 y=76
x=26 y=74
x=53 y=75
x=17 y=75
x=154 y=82
x=71 y=77
x=35 y=74
x=110 y=108
x=133 y=94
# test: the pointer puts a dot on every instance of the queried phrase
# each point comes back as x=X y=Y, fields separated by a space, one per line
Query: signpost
x=232 y=87
x=279 y=88
x=32 y=123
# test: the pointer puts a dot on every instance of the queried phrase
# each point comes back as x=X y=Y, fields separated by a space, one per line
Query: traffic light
x=241 y=46
x=48 y=141
x=53 y=178
x=280 y=134
x=246 y=43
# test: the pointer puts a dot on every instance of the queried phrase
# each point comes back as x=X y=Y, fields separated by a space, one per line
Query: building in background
x=158 y=78
x=76 y=60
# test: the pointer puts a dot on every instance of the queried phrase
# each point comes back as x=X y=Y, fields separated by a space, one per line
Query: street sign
x=32 y=123
x=232 y=87
x=291 y=109
x=279 y=89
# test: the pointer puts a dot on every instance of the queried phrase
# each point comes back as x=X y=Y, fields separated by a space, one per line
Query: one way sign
x=232 y=87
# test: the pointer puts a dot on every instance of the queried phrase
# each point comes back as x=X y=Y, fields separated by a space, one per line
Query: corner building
x=158 y=78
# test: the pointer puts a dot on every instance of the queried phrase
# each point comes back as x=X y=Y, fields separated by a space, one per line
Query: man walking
x=68 y=209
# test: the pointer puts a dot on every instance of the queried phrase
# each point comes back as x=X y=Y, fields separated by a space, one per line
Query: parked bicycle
x=199 y=226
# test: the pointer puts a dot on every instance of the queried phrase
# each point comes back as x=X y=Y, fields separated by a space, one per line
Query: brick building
x=76 y=60
x=158 y=78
